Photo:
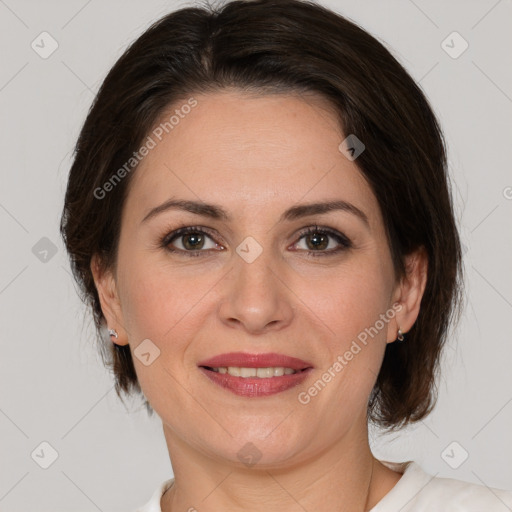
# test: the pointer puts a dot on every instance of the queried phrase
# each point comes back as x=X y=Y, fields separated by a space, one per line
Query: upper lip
x=245 y=360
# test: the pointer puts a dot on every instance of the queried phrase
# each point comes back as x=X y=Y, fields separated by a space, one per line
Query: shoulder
x=419 y=491
x=464 y=496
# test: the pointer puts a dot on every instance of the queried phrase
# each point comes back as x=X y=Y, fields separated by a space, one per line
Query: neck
x=345 y=477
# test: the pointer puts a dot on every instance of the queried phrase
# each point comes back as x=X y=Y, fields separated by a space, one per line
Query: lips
x=242 y=359
x=256 y=387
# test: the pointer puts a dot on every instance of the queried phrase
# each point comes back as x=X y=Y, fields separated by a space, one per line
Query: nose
x=256 y=297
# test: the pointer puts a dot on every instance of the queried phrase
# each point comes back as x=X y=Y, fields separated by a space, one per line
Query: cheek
x=160 y=301
x=158 y=306
x=356 y=336
x=350 y=300
x=143 y=303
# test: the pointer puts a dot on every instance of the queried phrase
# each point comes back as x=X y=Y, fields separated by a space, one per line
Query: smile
x=261 y=373
x=255 y=382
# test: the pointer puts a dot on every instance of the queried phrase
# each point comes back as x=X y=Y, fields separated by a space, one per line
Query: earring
x=113 y=332
x=400 y=335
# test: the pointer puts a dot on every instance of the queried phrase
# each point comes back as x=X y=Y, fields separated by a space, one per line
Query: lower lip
x=254 y=386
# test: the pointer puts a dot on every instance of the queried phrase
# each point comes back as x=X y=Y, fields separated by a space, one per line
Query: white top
x=416 y=491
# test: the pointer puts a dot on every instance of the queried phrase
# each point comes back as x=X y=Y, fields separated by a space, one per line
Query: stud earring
x=400 y=335
x=113 y=332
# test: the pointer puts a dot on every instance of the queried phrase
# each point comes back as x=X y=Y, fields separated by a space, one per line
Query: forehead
x=246 y=151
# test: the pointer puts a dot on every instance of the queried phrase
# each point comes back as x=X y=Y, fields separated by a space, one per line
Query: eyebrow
x=295 y=212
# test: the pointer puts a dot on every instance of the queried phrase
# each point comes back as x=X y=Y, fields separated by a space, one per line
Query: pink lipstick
x=254 y=375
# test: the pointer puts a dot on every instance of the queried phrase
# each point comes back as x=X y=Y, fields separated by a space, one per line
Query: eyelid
x=333 y=233
x=185 y=229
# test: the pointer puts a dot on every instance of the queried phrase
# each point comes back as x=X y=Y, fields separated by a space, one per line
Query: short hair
x=282 y=47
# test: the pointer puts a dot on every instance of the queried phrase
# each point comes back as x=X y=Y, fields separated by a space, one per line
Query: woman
x=260 y=214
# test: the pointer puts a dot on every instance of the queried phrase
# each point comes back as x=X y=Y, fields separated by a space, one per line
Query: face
x=255 y=281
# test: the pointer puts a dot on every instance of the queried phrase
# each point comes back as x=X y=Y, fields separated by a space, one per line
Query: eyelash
x=344 y=242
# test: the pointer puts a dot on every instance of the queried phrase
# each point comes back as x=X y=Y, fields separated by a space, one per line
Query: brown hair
x=282 y=46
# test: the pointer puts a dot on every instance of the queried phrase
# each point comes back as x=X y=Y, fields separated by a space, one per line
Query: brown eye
x=318 y=241
x=193 y=241
x=190 y=241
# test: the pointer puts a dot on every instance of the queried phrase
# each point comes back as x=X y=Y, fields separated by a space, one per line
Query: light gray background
x=53 y=386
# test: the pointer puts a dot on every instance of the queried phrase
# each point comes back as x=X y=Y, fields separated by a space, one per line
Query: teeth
x=261 y=373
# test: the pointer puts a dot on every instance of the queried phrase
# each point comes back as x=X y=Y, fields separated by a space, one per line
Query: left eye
x=319 y=241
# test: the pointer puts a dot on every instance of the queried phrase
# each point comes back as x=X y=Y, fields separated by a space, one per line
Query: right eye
x=192 y=240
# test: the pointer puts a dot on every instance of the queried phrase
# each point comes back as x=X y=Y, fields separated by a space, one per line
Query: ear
x=409 y=292
x=109 y=299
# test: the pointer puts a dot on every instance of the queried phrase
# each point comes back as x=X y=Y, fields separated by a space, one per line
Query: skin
x=256 y=156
